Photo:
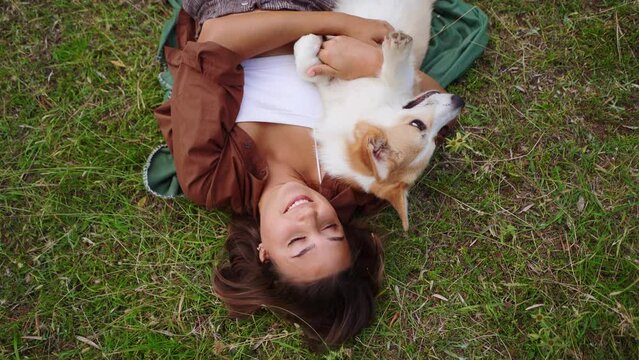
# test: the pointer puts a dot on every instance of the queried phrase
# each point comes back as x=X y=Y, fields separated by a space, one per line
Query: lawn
x=524 y=240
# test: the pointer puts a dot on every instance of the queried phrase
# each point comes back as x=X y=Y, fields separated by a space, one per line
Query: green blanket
x=459 y=36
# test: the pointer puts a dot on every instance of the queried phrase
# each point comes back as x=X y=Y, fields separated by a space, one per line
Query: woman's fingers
x=384 y=29
x=369 y=31
x=321 y=70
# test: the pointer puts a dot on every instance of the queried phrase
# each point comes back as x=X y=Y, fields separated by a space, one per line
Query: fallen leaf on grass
x=142 y=201
x=437 y=296
x=166 y=332
x=534 y=306
x=526 y=208
x=394 y=319
x=31 y=337
x=218 y=348
x=581 y=204
x=88 y=342
x=118 y=63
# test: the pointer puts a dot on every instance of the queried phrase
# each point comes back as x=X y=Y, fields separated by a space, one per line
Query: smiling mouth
x=297 y=201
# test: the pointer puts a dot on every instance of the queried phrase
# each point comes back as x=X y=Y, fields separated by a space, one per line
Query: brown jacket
x=216 y=162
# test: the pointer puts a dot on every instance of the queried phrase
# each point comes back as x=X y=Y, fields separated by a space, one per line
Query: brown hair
x=336 y=308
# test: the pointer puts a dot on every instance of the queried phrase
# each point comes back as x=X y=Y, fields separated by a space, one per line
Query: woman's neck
x=288 y=150
x=280 y=173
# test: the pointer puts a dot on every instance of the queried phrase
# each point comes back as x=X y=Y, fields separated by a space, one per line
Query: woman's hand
x=367 y=30
x=348 y=58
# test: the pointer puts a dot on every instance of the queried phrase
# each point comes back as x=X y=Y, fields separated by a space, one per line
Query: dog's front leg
x=306 y=50
x=397 y=70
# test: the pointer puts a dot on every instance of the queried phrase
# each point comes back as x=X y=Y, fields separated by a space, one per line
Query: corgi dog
x=376 y=133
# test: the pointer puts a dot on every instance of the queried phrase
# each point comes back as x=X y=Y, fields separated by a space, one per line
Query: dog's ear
x=369 y=143
x=397 y=196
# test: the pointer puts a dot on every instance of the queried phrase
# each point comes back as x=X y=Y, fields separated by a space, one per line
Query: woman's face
x=301 y=233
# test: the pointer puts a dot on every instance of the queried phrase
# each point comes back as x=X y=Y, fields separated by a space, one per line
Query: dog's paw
x=398 y=70
x=397 y=41
x=306 y=50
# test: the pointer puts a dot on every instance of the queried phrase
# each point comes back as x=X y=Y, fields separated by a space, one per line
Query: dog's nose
x=457 y=101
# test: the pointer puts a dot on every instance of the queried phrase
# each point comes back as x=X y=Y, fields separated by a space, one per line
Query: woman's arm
x=250 y=34
x=347 y=58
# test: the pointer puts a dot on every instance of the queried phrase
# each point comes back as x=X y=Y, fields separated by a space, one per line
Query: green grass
x=524 y=240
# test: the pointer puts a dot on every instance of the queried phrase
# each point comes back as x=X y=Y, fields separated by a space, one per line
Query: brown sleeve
x=349 y=202
x=213 y=158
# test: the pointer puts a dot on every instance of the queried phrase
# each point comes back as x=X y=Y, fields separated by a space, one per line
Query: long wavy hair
x=330 y=310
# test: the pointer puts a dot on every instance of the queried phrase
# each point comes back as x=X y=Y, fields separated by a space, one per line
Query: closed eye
x=333 y=238
x=294 y=240
x=304 y=251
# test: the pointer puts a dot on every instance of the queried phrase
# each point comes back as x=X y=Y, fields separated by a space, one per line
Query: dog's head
x=397 y=155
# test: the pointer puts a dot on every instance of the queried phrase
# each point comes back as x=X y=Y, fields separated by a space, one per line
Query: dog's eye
x=418 y=124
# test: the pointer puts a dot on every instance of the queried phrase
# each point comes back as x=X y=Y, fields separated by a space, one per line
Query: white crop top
x=274 y=93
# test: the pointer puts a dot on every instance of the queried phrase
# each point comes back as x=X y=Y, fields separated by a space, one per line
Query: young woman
x=248 y=147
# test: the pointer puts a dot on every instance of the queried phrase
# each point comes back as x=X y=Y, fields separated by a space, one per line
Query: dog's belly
x=346 y=101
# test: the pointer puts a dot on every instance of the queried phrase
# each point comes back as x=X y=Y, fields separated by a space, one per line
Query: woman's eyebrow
x=304 y=251
x=337 y=238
